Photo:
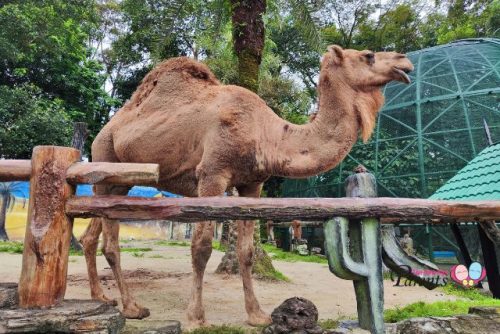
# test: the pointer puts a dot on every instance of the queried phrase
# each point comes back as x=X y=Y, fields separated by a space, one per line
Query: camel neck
x=313 y=148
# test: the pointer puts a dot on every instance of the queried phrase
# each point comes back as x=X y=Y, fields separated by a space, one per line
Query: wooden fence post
x=48 y=231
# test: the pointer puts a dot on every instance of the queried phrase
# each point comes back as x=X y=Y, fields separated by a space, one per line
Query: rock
x=72 y=316
x=294 y=316
x=348 y=327
x=154 y=327
x=486 y=323
x=485 y=311
x=8 y=295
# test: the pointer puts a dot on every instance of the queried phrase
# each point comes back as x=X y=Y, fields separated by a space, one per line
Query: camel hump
x=187 y=66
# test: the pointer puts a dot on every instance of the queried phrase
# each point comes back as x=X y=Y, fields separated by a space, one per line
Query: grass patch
x=157 y=256
x=137 y=254
x=217 y=246
x=327 y=324
x=470 y=297
x=135 y=249
x=11 y=247
x=73 y=252
x=15 y=247
x=224 y=329
x=280 y=255
x=172 y=243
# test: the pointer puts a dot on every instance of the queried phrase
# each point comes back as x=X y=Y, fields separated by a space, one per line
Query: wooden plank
x=113 y=173
x=287 y=209
x=48 y=232
x=15 y=170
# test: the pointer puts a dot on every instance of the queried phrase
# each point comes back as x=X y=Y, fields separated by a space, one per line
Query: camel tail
x=192 y=68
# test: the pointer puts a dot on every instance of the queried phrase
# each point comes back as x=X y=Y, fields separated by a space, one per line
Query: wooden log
x=15 y=170
x=216 y=208
x=48 y=232
x=113 y=173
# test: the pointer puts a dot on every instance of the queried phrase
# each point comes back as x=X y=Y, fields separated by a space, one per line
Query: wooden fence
x=54 y=172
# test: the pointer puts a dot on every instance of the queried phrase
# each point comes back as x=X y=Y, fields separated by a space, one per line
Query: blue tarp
x=23 y=191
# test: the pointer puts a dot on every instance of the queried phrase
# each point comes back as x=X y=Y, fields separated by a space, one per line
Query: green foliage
x=29 y=119
x=472 y=294
x=157 y=256
x=46 y=69
x=218 y=247
x=11 y=247
x=135 y=249
x=265 y=270
x=436 y=309
x=224 y=329
x=469 y=298
x=172 y=243
x=278 y=254
x=137 y=254
x=327 y=324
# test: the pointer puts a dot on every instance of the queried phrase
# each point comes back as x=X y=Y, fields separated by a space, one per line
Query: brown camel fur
x=209 y=137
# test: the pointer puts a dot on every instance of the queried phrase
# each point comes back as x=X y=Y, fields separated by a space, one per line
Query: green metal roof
x=478 y=180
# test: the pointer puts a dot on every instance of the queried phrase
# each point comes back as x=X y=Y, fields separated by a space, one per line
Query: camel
x=208 y=137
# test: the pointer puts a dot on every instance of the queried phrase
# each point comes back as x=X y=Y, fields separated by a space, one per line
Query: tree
x=8 y=199
x=29 y=118
x=44 y=47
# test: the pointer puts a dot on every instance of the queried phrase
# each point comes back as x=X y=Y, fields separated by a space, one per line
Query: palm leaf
x=303 y=13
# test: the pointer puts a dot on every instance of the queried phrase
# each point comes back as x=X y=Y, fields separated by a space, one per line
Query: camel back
x=187 y=66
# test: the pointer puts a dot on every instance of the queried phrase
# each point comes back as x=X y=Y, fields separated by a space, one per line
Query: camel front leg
x=201 y=249
x=111 y=251
x=256 y=317
x=89 y=241
x=209 y=184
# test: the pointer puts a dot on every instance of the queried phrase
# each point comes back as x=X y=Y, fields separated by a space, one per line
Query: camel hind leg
x=256 y=317
x=103 y=150
x=89 y=241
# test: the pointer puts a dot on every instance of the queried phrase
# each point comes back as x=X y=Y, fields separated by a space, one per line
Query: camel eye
x=370 y=57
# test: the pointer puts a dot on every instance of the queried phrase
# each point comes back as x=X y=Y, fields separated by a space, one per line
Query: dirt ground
x=161 y=280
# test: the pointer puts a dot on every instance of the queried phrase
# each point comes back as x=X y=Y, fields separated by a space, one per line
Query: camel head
x=364 y=70
x=360 y=76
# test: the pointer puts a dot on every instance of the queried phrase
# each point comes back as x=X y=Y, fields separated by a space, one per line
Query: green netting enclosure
x=427 y=130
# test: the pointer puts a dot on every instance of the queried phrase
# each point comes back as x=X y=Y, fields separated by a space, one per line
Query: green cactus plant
x=359 y=259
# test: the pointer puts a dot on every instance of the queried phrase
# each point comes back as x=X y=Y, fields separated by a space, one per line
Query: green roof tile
x=478 y=180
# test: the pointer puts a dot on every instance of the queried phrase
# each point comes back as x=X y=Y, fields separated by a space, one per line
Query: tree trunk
x=248 y=39
x=80 y=134
x=489 y=236
x=3 y=217
x=229 y=264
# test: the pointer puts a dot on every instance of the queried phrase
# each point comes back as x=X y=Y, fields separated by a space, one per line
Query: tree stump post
x=48 y=231
x=354 y=251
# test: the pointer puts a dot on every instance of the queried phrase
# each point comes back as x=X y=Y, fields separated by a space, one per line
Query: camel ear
x=338 y=52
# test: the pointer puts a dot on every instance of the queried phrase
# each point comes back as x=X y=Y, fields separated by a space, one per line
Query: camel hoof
x=135 y=312
x=106 y=300
x=195 y=324
x=259 y=319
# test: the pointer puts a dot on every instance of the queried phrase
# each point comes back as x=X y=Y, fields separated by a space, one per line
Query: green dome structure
x=428 y=130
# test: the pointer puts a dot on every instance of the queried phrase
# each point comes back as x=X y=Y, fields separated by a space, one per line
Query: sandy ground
x=161 y=281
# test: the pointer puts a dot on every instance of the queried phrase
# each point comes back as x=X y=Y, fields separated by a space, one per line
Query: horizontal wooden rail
x=214 y=208
x=88 y=172
x=15 y=170
x=113 y=173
